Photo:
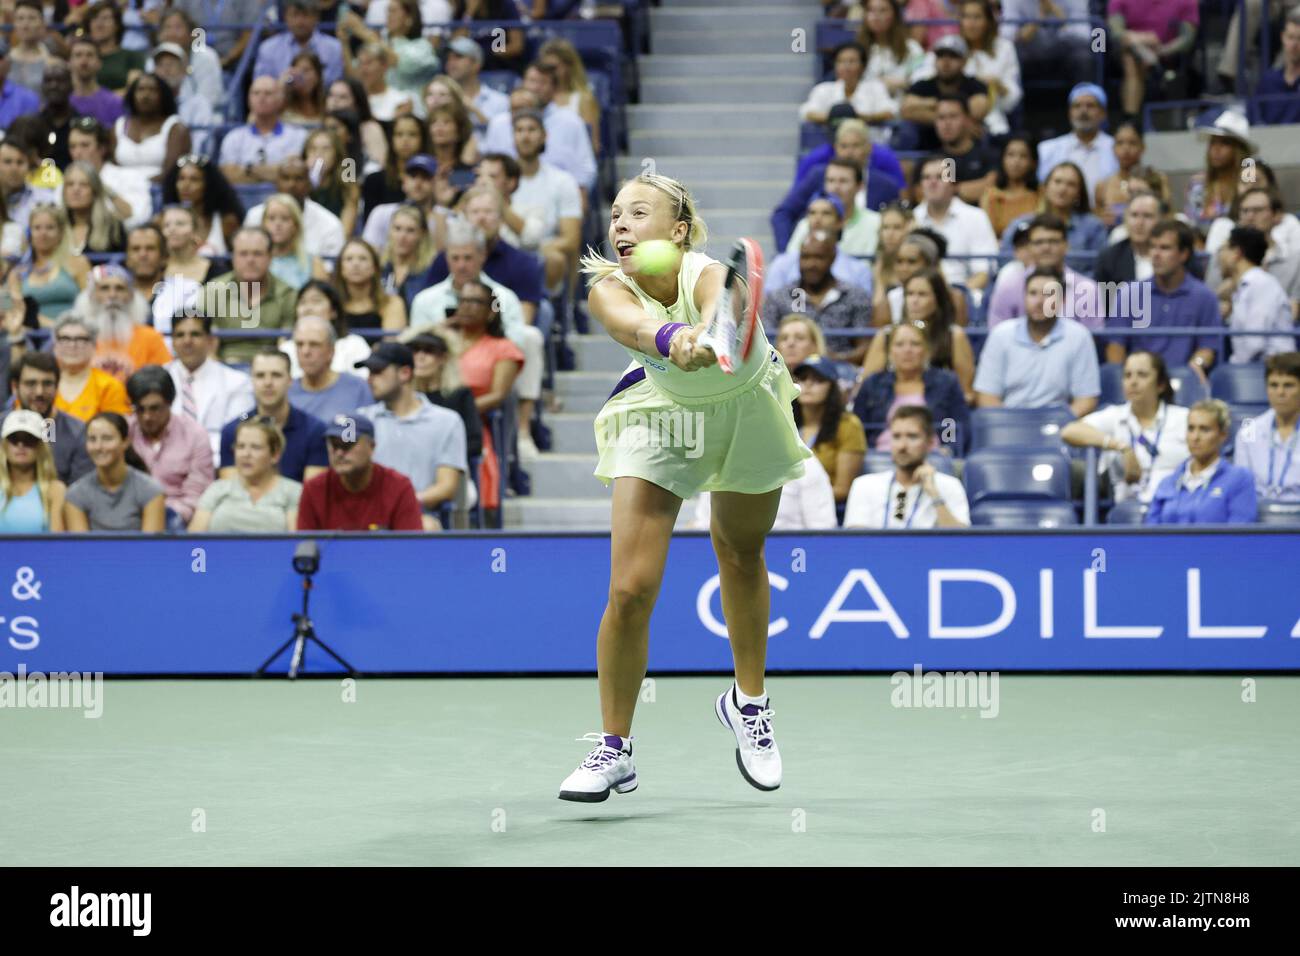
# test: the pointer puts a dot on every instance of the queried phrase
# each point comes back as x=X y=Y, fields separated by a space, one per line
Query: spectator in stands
x=358 y=278
x=146 y=261
x=1113 y=193
x=867 y=99
x=249 y=296
x=965 y=227
x=174 y=448
x=892 y=56
x=935 y=10
x=832 y=432
x=1130 y=258
x=414 y=437
x=150 y=138
x=55 y=275
x=1205 y=488
x=1048 y=49
x=546 y=192
x=831 y=304
x=992 y=61
x=357 y=494
x=420 y=184
x=568 y=145
x=895 y=223
x=207 y=391
x=410 y=57
x=920 y=249
x=257 y=498
x=974 y=166
x=322 y=300
x=35 y=381
x=33 y=493
x=57 y=112
x=321 y=231
x=1256 y=301
x=128 y=196
x=410 y=138
x=253 y=153
x=304 y=437
x=858 y=229
x=386 y=103
x=1152 y=36
x=947 y=77
x=798 y=337
x=1087 y=145
x=1014 y=191
x=437 y=378
x=290 y=262
x=93 y=226
x=1145 y=438
x=450 y=136
x=927 y=302
x=1210 y=193
x=118 y=495
x=1261 y=208
x=304 y=97
x=204 y=67
x=910 y=379
x=1047 y=246
x=825 y=214
x=275 y=54
x=1065 y=196
x=171 y=65
x=88 y=97
x=337 y=194
x=322 y=392
x=216 y=17
x=1042 y=359
x=124 y=339
x=184 y=270
x=407 y=255
x=464 y=62
x=807 y=503
x=20 y=197
x=15 y=98
x=198 y=184
x=348 y=97
x=442 y=91
x=106 y=28
x=31 y=53
x=1283 y=81
x=882 y=174
x=1171 y=297
x=573 y=91
x=885 y=499
x=84 y=391
x=1266 y=444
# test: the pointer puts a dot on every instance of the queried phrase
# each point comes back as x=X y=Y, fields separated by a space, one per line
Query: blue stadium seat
x=1018 y=427
x=1127 y=512
x=1239 y=384
x=1188 y=387
x=878 y=461
x=1279 y=513
x=1010 y=475
x=503 y=81
x=1023 y=514
x=1112 y=384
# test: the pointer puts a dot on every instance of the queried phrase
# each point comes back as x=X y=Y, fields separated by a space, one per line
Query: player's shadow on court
x=651 y=814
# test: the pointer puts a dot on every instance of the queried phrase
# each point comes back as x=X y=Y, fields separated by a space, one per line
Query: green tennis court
x=458 y=771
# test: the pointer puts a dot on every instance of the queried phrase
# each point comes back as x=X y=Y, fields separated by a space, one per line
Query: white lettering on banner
x=704 y=599
x=1046 y=604
x=1090 y=626
x=102 y=909
x=937 y=578
x=26 y=587
x=1194 y=626
x=833 y=613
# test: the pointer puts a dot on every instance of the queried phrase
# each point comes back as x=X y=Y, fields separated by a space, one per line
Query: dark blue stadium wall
x=1122 y=600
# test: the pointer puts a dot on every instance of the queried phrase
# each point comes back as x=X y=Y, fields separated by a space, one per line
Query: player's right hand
x=686 y=354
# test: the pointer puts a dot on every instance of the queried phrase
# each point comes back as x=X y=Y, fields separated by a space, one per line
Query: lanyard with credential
x=1152 y=447
x=1286 y=462
x=889 y=494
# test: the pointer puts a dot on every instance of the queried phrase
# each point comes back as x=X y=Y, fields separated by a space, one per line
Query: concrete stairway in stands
x=718 y=110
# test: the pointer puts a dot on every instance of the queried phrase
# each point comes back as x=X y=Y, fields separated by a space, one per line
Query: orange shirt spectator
x=146 y=347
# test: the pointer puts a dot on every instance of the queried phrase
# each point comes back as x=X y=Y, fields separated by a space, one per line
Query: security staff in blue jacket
x=1205 y=489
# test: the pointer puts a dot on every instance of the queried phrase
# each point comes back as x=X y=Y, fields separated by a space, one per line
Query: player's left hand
x=684 y=352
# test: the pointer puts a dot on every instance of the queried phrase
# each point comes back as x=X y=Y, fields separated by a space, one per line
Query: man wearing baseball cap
x=942 y=75
x=356 y=494
x=417 y=186
x=464 y=62
x=1088 y=146
x=414 y=436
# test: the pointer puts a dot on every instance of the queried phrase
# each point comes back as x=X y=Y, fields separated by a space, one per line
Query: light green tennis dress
x=704 y=430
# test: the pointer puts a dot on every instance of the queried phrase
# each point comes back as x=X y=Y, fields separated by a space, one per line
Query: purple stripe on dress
x=627 y=381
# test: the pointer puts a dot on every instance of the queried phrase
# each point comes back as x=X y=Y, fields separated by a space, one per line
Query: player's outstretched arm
x=615 y=307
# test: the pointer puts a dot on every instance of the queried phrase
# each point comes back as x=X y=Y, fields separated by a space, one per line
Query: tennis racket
x=730 y=333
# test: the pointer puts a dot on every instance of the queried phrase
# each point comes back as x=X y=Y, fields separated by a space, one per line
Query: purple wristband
x=665 y=335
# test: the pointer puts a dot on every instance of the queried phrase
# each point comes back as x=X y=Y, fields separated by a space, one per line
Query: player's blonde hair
x=596 y=267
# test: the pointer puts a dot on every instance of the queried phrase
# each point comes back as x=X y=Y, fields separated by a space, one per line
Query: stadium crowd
x=403 y=232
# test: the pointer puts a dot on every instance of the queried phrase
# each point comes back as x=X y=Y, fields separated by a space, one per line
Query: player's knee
x=631 y=600
x=738 y=552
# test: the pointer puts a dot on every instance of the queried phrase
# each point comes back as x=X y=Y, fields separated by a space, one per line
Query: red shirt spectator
x=356 y=494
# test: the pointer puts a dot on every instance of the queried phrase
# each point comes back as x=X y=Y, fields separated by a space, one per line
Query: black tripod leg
x=261 y=671
x=311 y=636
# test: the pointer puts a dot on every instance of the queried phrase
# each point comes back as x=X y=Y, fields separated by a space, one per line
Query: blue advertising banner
x=1087 y=600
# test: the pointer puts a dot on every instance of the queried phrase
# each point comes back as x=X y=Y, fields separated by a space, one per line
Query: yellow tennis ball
x=655 y=257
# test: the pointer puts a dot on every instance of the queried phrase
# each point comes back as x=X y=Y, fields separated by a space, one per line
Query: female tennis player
x=740 y=443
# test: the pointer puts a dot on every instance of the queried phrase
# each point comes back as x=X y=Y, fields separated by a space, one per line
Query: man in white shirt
x=464 y=61
x=915 y=494
x=322 y=230
x=870 y=99
x=1262 y=209
x=206 y=390
x=1258 y=302
x=568 y=144
x=967 y=228
x=552 y=192
x=252 y=153
x=1269 y=444
x=1087 y=146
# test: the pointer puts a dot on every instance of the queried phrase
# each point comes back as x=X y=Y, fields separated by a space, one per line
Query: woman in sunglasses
x=31 y=495
x=196 y=182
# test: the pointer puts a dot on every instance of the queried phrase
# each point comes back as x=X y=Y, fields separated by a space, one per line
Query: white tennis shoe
x=757 y=756
x=606 y=768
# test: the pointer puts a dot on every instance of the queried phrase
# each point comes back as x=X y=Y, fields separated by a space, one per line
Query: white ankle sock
x=743 y=700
